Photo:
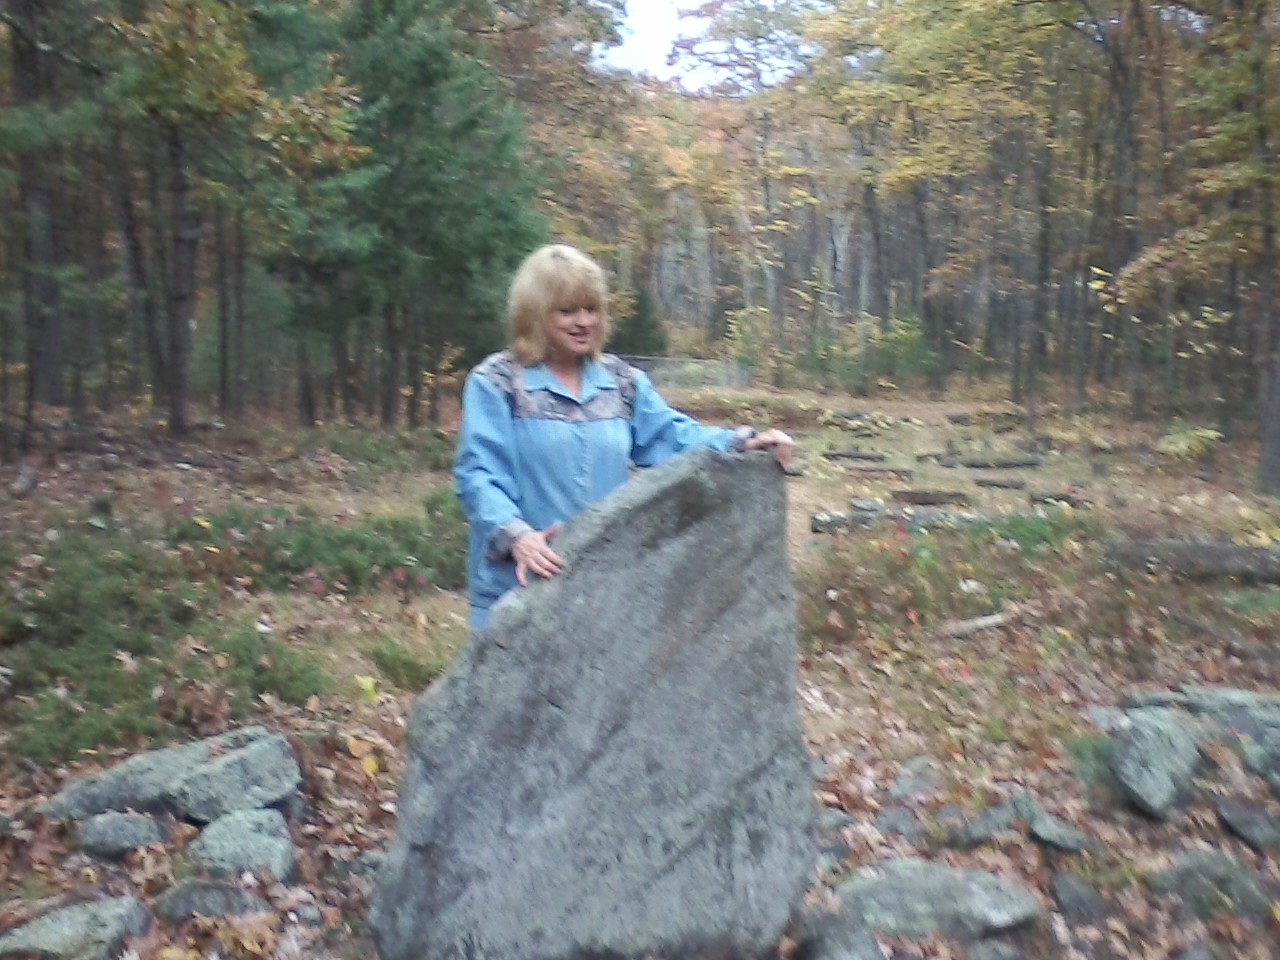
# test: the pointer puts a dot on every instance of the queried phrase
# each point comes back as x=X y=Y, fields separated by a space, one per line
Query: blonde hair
x=556 y=275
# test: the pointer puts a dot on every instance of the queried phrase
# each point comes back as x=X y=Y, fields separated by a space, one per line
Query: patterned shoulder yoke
x=506 y=373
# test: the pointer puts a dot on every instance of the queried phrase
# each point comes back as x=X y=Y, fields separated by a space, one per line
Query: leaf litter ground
x=883 y=682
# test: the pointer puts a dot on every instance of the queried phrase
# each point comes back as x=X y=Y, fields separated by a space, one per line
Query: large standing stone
x=616 y=768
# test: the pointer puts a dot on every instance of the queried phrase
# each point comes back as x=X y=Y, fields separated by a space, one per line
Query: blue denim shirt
x=532 y=454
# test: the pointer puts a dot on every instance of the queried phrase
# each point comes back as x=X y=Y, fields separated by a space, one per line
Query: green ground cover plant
x=277 y=549
x=404 y=668
x=900 y=578
x=100 y=624
x=372 y=454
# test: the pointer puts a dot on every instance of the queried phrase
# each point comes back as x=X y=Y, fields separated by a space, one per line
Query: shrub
x=259 y=663
x=375 y=452
x=87 y=603
x=1038 y=531
x=1182 y=441
x=94 y=628
x=405 y=669
x=278 y=549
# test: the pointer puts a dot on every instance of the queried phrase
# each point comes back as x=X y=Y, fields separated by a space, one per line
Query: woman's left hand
x=782 y=446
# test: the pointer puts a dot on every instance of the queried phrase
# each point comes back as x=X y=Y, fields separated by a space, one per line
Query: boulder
x=1155 y=759
x=919 y=778
x=142 y=782
x=912 y=898
x=838 y=937
x=1211 y=884
x=248 y=841
x=260 y=774
x=984 y=827
x=207 y=898
x=900 y=822
x=86 y=931
x=995 y=950
x=1058 y=834
x=616 y=767
x=1076 y=898
x=1262 y=757
x=111 y=835
x=1252 y=824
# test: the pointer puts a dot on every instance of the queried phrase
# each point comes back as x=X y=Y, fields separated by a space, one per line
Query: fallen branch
x=1199 y=561
x=904 y=472
x=1072 y=500
x=963 y=628
x=1002 y=463
x=1001 y=483
x=856 y=455
x=931 y=498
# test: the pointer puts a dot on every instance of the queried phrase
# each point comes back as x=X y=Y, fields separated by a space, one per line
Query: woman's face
x=573 y=332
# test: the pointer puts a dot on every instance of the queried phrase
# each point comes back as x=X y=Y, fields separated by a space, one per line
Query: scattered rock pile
x=235 y=787
x=1157 y=754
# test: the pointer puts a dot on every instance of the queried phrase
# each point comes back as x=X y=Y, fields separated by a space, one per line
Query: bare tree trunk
x=30 y=87
x=239 y=320
x=222 y=282
x=392 y=348
x=306 y=387
x=159 y=224
x=142 y=298
x=1268 y=318
x=182 y=293
x=414 y=369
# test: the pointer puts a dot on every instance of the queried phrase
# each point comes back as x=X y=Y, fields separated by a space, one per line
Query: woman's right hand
x=532 y=551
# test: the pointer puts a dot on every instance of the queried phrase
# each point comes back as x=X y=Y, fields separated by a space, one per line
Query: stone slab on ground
x=111 y=835
x=260 y=774
x=913 y=898
x=1155 y=760
x=207 y=898
x=617 y=767
x=87 y=931
x=1252 y=824
x=247 y=841
x=142 y=782
x=1210 y=884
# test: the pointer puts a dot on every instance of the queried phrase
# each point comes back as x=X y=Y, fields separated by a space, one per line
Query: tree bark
x=391 y=352
x=222 y=282
x=1268 y=319
x=31 y=83
x=306 y=386
x=142 y=298
x=239 y=319
x=185 y=238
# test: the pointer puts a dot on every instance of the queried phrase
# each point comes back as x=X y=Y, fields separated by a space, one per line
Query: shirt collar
x=595 y=377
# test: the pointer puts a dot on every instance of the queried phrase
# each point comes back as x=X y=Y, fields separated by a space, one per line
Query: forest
x=310 y=207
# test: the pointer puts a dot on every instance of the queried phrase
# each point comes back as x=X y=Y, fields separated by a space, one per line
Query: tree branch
x=21 y=30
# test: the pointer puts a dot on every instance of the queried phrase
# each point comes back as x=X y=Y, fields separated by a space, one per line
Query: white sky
x=650 y=27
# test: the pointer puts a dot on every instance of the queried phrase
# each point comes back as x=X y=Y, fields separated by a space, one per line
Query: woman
x=551 y=425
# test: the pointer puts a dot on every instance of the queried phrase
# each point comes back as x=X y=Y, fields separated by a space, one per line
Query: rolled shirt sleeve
x=659 y=432
x=485 y=469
